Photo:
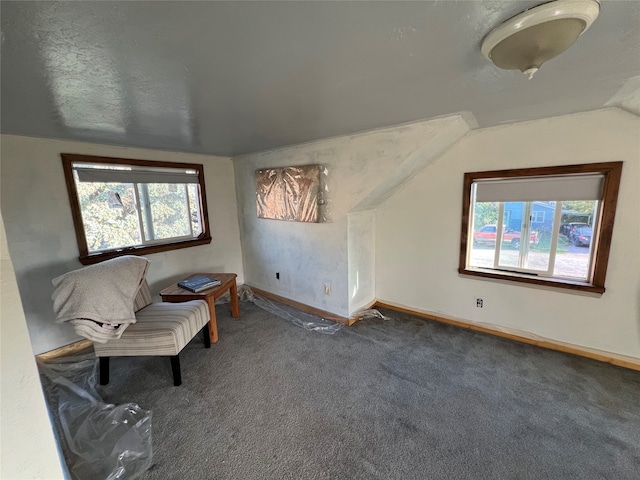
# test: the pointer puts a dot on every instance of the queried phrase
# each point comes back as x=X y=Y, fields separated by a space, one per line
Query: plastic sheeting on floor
x=98 y=440
x=313 y=323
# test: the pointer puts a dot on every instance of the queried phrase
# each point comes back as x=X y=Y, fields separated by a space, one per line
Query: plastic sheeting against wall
x=99 y=441
x=313 y=323
x=291 y=193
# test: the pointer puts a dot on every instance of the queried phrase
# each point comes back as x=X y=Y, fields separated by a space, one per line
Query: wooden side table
x=176 y=294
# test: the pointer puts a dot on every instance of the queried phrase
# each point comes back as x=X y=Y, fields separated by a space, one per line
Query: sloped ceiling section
x=628 y=97
x=228 y=78
x=438 y=136
x=445 y=132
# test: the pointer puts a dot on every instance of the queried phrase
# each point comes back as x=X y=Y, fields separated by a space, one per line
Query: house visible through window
x=131 y=206
x=544 y=225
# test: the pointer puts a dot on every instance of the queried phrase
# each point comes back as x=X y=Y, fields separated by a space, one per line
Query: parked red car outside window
x=487 y=236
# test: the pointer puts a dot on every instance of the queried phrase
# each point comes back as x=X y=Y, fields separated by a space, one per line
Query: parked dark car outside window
x=581 y=236
x=567 y=228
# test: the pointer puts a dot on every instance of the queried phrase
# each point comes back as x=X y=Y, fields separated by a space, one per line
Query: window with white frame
x=537 y=217
x=520 y=224
x=125 y=206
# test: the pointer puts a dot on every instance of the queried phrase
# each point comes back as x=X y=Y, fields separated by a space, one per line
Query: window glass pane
x=541 y=235
x=194 y=208
x=485 y=219
x=573 y=255
x=109 y=215
x=165 y=211
x=510 y=239
x=536 y=221
x=532 y=220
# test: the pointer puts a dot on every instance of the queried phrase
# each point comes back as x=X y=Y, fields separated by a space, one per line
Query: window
x=537 y=217
x=546 y=226
x=122 y=206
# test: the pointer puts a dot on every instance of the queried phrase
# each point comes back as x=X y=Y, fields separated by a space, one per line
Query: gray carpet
x=403 y=398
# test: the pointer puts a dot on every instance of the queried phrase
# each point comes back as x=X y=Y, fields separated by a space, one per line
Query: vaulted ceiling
x=229 y=78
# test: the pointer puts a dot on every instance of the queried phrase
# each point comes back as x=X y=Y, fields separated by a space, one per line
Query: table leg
x=213 y=324
x=235 y=305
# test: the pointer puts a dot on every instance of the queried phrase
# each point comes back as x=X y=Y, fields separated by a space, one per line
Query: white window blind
x=547 y=188
x=107 y=175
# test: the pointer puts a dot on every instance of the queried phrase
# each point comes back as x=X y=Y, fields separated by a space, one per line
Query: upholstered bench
x=161 y=329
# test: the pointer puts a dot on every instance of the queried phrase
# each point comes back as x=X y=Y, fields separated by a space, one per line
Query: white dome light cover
x=528 y=51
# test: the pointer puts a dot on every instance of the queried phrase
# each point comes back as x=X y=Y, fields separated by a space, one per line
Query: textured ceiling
x=234 y=77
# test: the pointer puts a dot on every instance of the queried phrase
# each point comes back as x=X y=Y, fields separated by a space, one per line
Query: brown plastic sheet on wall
x=288 y=193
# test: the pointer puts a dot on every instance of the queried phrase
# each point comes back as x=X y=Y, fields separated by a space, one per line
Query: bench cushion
x=160 y=329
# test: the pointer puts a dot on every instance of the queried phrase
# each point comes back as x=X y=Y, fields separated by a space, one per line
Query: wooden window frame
x=86 y=257
x=612 y=172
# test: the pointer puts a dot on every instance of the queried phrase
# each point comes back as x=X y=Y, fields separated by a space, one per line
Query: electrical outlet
x=327 y=289
x=277 y=275
x=479 y=303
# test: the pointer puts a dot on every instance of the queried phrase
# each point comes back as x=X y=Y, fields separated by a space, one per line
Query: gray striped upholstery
x=143 y=298
x=160 y=329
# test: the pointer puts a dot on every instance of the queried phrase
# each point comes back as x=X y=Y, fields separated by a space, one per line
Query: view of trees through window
x=123 y=206
x=118 y=215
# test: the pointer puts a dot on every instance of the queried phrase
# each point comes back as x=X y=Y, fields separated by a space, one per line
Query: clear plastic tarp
x=314 y=323
x=99 y=441
x=295 y=194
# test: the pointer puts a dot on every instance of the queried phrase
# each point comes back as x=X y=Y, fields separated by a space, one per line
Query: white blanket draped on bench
x=98 y=300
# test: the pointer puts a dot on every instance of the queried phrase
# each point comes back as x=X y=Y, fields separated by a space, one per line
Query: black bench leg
x=205 y=333
x=175 y=368
x=104 y=370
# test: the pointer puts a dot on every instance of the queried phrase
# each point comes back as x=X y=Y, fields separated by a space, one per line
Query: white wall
x=27 y=440
x=362 y=169
x=41 y=237
x=418 y=235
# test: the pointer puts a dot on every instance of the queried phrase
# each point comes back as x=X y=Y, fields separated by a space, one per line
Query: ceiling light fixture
x=541 y=33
